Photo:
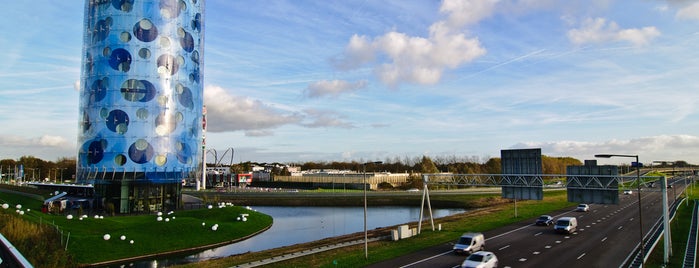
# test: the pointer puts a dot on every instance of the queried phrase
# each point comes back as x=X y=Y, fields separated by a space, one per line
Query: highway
x=606 y=236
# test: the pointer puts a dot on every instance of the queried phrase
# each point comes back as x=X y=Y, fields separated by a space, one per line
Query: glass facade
x=140 y=125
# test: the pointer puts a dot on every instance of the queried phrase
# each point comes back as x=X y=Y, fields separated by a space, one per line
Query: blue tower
x=140 y=125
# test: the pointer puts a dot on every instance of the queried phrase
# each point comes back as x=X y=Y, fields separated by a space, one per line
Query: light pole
x=366 y=244
x=32 y=169
x=62 y=169
x=638 y=185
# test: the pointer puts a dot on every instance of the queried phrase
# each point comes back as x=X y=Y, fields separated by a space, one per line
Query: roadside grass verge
x=679 y=230
x=501 y=213
x=180 y=230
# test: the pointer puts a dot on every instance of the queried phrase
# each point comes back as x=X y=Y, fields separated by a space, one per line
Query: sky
x=297 y=81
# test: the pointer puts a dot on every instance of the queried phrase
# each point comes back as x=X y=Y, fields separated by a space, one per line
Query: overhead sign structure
x=521 y=174
x=592 y=183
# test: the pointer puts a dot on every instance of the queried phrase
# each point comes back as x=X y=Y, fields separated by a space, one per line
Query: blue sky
x=297 y=81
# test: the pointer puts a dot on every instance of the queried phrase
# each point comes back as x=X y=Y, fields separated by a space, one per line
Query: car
x=566 y=225
x=583 y=208
x=480 y=259
x=469 y=243
x=544 y=220
x=627 y=192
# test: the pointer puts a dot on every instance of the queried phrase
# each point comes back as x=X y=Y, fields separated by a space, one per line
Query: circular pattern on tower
x=142 y=95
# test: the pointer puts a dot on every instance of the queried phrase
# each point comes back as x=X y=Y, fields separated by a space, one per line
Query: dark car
x=545 y=220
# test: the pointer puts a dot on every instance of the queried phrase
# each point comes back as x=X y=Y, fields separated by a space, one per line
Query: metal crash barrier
x=10 y=256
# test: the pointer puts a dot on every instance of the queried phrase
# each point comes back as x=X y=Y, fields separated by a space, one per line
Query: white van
x=566 y=225
x=469 y=243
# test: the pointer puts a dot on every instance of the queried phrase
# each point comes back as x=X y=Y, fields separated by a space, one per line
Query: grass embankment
x=181 y=230
x=679 y=230
x=39 y=244
x=499 y=213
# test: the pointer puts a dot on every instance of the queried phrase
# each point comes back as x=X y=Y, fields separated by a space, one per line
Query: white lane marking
x=604 y=239
x=504 y=247
x=426 y=259
x=547 y=246
x=523 y=259
x=580 y=257
x=621 y=227
x=536 y=253
x=492 y=237
x=539 y=233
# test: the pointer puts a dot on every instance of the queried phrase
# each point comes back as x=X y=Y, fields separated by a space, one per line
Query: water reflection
x=294 y=225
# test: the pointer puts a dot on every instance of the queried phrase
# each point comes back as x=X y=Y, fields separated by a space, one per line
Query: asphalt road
x=606 y=236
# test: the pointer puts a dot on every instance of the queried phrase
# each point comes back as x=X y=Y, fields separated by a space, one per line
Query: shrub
x=39 y=244
x=385 y=186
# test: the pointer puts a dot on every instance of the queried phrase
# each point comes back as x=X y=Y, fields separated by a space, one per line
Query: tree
x=427 y=166
x=493 y=166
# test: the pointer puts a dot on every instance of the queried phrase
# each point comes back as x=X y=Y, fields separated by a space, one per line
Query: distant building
x=140 y=126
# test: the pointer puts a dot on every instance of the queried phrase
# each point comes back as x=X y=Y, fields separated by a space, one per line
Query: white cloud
x=45 y=146
x=76 y=85
x=401 y=58
x=43 y=141
x=52 y=141
x=690 y=12
x=333 y=88
x=226 y=112
x=358 y=52
x=661 y=147
x=599 y=30
x=324 y=118
x=462 y=13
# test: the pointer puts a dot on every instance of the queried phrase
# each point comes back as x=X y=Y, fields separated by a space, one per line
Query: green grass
x=184 y=230
x=679 y=228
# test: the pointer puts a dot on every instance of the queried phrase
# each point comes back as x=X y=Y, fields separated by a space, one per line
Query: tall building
x=140 y=126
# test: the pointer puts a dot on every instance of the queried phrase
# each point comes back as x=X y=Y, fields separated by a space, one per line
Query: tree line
x=65 y=167
x=424 y=164
x=39 y=169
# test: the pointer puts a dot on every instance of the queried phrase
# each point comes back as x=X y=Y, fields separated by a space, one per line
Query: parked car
x=480 y=259
x=544 y=220
x=469 y=243
x=627 y=192
x=583 y=208
x=566 y=225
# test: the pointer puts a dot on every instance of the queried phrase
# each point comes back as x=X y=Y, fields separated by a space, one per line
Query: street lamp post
x=62 y=169
x=32 y=169
x=366 y=244
x=638 y=188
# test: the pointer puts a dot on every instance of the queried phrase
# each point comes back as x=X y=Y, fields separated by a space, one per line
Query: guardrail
x=691 y=250
x=10 y=256
x=651 y=239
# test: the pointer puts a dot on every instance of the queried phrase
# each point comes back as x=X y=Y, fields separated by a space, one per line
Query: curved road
x=606 y=236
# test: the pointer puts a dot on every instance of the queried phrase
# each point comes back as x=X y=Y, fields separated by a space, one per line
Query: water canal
x=295 y=225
